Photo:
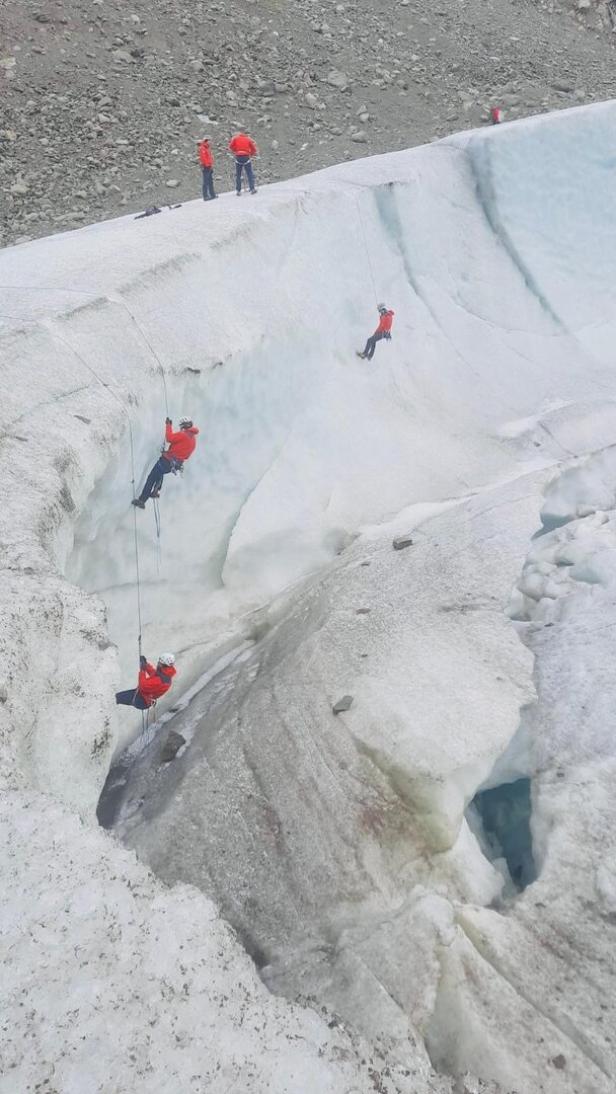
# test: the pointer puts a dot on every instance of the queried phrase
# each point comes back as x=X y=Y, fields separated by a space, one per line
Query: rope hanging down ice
x=363 y=232
x=108 y=388
x=157 y=522
x=114 y=394
x=114 y=299
x=145 y=715
x=119 y=300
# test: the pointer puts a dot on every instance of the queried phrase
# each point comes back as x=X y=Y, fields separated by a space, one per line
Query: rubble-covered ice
x=336 y=844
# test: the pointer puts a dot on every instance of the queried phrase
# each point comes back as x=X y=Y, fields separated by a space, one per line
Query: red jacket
x=205 y=154
x=385 y=323
x=155 y=682
x=243 y=145
x=182 y=444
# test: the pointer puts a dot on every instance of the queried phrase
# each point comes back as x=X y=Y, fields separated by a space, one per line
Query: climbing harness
x=233 y=165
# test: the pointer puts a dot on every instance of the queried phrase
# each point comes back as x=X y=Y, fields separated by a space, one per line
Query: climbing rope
x=145 y=714
x=231 y=166
x=97 y=296
x=363 y=232
x=119 y=300
x=145 y=722
x=115 y=300
x=110 y=390
x=157 y=523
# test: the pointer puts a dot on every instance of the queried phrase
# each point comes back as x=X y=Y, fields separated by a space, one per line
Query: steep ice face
x=500 y=366
x=308 y=826
x=556 y=949
x=564 y=248
x=300 y=445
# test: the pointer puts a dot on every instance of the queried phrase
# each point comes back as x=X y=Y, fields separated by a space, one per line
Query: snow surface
x=501 y=272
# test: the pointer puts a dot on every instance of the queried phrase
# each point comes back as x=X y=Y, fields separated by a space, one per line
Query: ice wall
x=254 y=314
x=500 y=364
x=555 y=216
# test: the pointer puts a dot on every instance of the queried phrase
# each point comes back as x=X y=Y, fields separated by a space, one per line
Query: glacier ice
x=337 y=846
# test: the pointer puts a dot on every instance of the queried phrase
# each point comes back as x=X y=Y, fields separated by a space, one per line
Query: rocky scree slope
x=103 y=101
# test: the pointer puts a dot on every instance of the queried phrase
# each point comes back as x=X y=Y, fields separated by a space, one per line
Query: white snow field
x=381 y=910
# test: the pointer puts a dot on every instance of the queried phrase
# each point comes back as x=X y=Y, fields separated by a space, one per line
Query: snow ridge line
x=561 y=1022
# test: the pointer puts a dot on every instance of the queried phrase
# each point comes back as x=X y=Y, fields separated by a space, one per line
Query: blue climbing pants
x=154 y=480
x=131 y=698
x=243 y=163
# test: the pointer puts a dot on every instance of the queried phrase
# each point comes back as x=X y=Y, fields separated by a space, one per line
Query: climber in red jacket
x=153 y=682
x=243 y=148
x=181 y=447
x=206 y=160
x=386 y=318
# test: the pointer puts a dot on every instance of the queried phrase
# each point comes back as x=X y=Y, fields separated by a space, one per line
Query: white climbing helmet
x=185 y=423
x=382 y=308
x=166 y=659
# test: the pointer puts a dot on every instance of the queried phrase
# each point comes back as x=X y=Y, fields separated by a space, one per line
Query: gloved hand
x=388 y=336
x=168 y=421
x=142 y=661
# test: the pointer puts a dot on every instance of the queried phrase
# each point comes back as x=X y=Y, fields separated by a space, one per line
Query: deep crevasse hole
x=500 y=818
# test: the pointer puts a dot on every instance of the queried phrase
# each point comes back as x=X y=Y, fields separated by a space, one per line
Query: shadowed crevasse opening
x=500 y=818
x=112 y=794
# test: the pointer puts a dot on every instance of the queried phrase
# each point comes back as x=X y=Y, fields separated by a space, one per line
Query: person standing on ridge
x=206 y=159
x=243 y=148
x=496 y=115
x=386 y=318
x=153 y=682
x=181 y=447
